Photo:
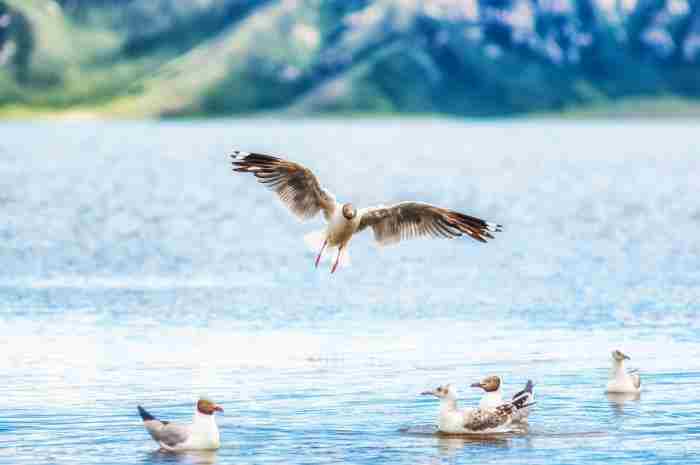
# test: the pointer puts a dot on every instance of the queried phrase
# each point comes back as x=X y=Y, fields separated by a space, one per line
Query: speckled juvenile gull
x=201 y=434
x=301 y=191
x=622 y=381
x=472 y=421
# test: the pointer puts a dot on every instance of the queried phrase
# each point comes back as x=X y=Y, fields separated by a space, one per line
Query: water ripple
x=138 y=270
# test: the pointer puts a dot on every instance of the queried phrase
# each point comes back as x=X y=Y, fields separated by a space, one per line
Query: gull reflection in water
x=449 y=444
x=194 y=457
x=618 y=399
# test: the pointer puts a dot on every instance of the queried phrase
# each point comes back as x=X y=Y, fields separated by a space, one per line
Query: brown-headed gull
x=201 y=434
x=301 y=191
x=493 y=398
x=472 y=421
x=622 y=381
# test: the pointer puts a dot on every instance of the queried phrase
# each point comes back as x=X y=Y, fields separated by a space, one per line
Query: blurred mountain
x=460 y=57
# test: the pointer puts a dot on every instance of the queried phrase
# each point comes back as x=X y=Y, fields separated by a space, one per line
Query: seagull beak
x=427 y=393
x=626 y=357
x=218 y=408
x=476 y=385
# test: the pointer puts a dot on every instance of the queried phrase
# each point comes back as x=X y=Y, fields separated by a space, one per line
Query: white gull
x=201 y=434
x=301 y=191
x=620 y=380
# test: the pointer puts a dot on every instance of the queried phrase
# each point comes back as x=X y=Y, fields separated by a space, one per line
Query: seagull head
x=349 y=212
x=442 y=392
x=489 y=384
x=207 y=407
x=619 y=356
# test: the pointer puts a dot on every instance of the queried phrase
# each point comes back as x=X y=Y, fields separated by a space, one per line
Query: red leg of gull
x=337 y=259
x=325 y=243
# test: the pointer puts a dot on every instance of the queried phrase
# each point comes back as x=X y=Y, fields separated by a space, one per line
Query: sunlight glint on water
x=138 y=269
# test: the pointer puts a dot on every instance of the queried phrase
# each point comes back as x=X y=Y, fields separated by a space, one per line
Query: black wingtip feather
x=529 y=386
x=245 y=162
x=145 y=416
x=476 y=228
x=520 y=397
x=239 y=156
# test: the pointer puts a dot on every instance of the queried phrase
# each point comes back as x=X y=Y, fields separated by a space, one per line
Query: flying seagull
x=622 y=381
x=201 y=434
x=301 y=191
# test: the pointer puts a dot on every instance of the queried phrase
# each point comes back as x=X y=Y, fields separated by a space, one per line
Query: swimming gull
x=472 y=421
x=201 y=434
x=622 y=381
x=493 y=398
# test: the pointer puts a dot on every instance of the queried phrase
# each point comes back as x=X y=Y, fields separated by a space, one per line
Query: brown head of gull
x=489 y=384
x=349 y=212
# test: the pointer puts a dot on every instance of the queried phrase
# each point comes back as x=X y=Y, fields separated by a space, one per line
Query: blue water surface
x=137 y=269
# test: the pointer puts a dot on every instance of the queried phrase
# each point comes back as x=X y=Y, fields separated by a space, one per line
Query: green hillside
x=127 y=58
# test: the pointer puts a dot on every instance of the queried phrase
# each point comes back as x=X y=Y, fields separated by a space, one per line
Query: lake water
x=136 y=268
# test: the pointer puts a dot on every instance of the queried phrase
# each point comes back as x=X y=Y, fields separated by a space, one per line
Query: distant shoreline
x=634 y=108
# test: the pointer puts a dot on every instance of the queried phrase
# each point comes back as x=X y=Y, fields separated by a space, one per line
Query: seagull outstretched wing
x=295 y=184
x=407 y=220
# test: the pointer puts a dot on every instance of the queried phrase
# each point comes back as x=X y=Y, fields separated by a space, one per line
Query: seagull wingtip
x=494 y=227
x=239 y=154
x=145 y=416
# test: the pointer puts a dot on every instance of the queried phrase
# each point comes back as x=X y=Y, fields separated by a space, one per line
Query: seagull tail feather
x=524 y=397
x=145 y=416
